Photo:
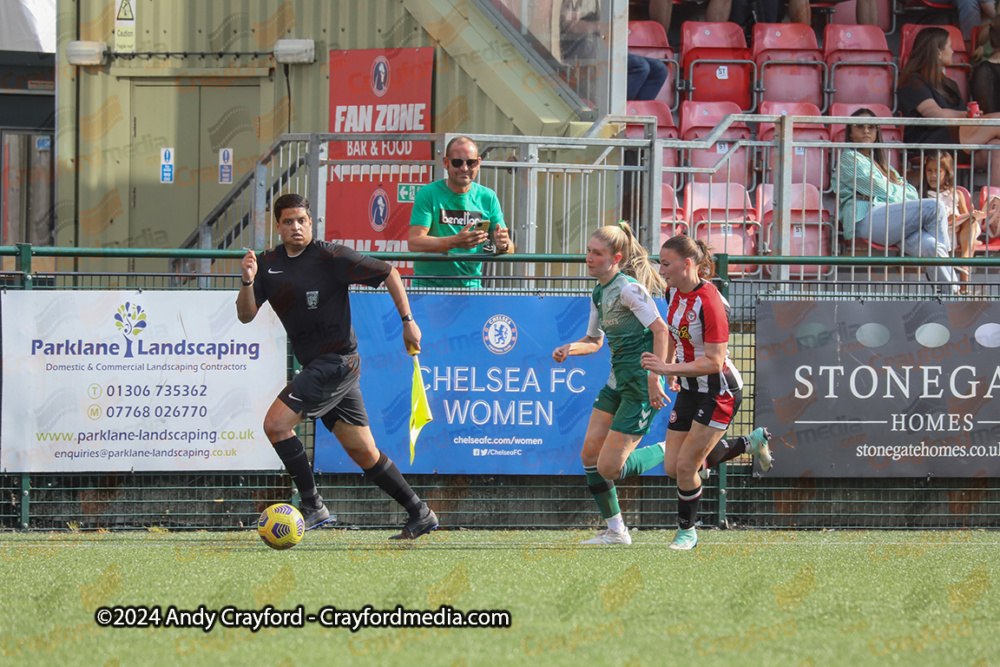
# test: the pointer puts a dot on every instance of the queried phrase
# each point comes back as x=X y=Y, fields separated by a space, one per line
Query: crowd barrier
x=737 y=496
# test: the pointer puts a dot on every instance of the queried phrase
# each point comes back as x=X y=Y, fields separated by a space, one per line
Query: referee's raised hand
x=249 y=266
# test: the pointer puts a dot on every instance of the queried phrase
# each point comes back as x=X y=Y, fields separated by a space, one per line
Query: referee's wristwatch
x=407 y=318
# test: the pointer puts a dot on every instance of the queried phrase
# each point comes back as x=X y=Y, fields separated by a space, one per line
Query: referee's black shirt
x=309 y=294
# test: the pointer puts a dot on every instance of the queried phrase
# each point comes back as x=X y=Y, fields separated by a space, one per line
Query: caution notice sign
x=125 y=27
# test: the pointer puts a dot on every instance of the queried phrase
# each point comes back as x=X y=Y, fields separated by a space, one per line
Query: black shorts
x=328 y=388
x=715 y=410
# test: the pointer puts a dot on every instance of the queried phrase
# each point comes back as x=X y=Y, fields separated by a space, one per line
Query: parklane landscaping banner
x=872 y=388
x=144 y=381
x=501 y=405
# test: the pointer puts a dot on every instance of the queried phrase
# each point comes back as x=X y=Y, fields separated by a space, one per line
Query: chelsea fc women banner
x=144 y=381
x=501 y=405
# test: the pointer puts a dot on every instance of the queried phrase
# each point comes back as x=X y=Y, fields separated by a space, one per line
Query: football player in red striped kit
x=709 y=388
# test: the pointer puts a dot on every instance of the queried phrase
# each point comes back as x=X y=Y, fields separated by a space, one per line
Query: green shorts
x=633 y=413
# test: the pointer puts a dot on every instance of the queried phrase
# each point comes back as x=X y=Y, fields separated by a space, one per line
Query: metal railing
x=735 y=497
x=555 y=191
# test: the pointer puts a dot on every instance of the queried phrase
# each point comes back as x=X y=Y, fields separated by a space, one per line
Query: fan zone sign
x=375 y=91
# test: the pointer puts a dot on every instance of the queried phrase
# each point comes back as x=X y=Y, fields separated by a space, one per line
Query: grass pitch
x=740 y=598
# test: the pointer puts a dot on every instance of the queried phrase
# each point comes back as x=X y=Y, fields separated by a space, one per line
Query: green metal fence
x=734 y=497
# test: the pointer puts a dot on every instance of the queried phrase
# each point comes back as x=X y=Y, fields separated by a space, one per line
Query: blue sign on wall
x=501 y=405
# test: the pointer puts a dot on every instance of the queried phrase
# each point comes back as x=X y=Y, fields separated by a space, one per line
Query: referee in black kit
x=306 y=282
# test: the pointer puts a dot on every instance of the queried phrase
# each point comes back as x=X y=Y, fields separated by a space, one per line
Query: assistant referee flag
x=420 y=409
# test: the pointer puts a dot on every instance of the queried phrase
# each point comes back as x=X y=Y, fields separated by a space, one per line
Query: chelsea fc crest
x=500 y=334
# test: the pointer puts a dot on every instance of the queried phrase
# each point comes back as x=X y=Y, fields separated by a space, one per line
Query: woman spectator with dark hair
x=877 y=205
x=925 y=91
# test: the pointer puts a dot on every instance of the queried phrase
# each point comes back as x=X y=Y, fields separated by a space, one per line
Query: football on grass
x=281 y=526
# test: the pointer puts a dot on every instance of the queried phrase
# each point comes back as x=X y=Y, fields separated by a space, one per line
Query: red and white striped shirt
x=695 y=318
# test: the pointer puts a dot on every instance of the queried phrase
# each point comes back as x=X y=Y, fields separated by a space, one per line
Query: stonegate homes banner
x=501 y=405
x=145 y=381
x=879 y=388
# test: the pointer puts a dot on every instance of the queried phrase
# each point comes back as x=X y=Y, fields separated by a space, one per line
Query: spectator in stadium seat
x=646 y=77
x=972 y=14
x=306 y=282
x=926 y=92
x=457 y=216
x=984 y=85
x=963 y=224
x=710 y=389
x=799 y=11
x=621 y=309
x=875 y=204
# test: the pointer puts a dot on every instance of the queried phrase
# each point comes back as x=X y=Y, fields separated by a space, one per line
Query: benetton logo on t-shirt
x=460 y=218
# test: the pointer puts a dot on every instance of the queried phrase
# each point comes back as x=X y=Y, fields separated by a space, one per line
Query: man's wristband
x=245 y=283
x=407 y=318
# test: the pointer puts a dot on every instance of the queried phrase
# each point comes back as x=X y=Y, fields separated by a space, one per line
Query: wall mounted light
x=290 y=51
x=86 y=53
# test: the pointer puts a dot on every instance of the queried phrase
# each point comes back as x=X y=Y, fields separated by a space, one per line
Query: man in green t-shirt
x=456 y=216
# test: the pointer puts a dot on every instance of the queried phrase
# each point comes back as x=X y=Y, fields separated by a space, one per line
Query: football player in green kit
x=622 y=310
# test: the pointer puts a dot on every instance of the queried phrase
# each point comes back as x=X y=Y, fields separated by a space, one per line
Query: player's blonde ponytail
x=635 y=260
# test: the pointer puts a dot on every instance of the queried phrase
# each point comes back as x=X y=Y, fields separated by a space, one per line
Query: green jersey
x=446 y=213
x=623 y=310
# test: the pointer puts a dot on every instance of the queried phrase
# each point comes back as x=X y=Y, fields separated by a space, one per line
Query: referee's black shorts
x=328 y=388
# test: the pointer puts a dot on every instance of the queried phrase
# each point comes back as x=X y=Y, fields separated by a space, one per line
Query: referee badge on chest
x=312 y=300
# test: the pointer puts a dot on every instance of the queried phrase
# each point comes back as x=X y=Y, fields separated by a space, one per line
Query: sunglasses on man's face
x=457 y=162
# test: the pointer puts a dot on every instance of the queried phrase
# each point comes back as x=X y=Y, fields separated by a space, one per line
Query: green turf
x=740 y=598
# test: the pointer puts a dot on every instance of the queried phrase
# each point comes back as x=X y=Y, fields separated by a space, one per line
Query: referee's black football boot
x=424 y=523
x=317 y=515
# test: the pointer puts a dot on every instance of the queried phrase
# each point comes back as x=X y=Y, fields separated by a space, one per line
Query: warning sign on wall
x=125 y=27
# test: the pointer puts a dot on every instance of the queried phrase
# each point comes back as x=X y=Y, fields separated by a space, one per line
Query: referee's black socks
x=386 y=476
x=293 y=455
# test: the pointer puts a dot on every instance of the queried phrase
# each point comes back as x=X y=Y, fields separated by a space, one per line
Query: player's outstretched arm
x=246 y=304
x=411 y=332
x=586 y=345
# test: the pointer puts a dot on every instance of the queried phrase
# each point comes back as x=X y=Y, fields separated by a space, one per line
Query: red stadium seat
x=959 y=70
x=860 y=64
x=698 y=119
x=716 y=63
x=808 y=164
x=649 y=39
x=811 y=229
x=672 y=222
x=790 y=66
x=721 y=215
x=665 y=127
